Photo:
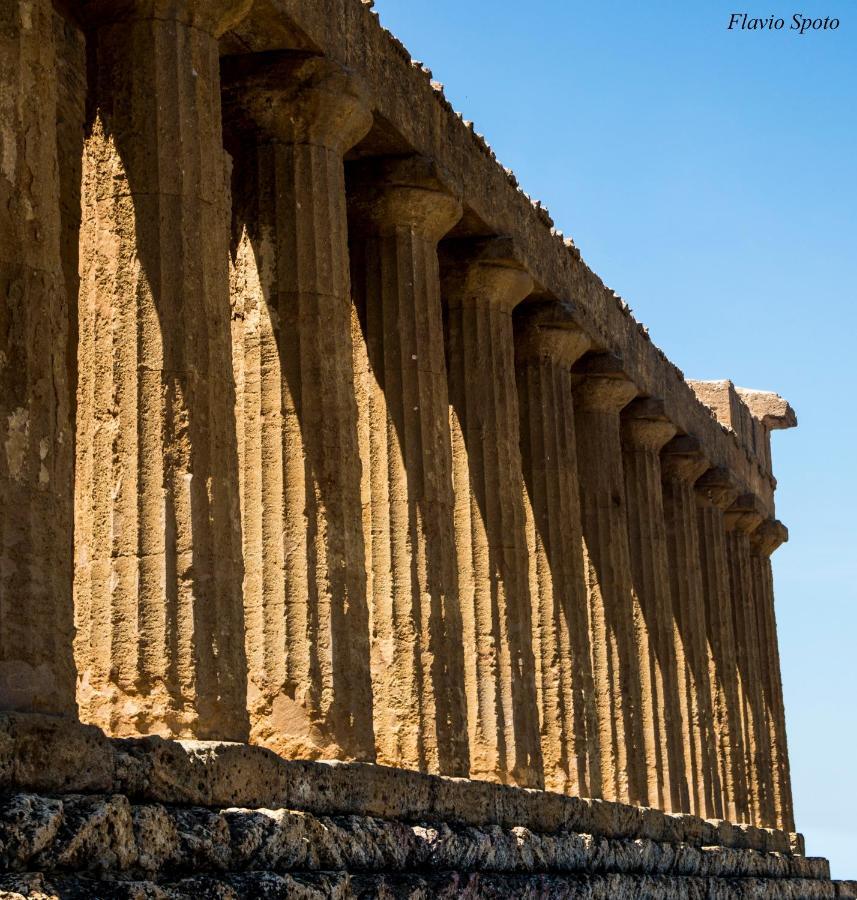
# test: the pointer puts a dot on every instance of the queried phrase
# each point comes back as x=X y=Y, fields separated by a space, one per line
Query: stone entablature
x=368 y=465
x=413 y=116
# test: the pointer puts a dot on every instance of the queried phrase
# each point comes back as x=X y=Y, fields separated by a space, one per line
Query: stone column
x=158 y=545
x=547 y=344
x=741 y=519
x=715 y=492
x=602 y=390
x=481 y=284
x=681 y=464
x=763 y=541
x=307 y=630
x=398 y=212
x=36 y=409
x=645 y=430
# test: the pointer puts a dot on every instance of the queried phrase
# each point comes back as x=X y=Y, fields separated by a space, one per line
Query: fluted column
x=763 y=542
x=715 y=492
x=645 y=430
x=681 y=464
x=307 y=630
x=741 y=519
x=36 y=424
x=158 y=547
x=398 y=212
x=547 y=344
x=481 y=284
x=600 y=393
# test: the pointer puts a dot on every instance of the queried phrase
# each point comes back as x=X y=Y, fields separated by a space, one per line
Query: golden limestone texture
x=601 y=392
x=315 y=439
x=398 y=214
x=547 y=345
x=36 y=394
x=157 y=531
x=305 y=603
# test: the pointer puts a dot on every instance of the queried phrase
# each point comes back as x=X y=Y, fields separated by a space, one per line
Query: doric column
x=763 y=541
x=36 y=424
x=601 y=391
x=481 y=284
x=681 y=464
x=715 y=492
x=547 y=344
x=307 y=629
x=398 y=212
x=158 y=545
x=645 y=430
x=741 y=519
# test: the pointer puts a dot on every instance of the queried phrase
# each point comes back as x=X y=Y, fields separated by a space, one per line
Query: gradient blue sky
x=710 y=178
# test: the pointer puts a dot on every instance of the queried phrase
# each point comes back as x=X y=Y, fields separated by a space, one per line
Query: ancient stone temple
x=355 y=540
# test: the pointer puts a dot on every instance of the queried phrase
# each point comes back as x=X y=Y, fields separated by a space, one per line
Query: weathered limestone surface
x=338 y=501
x=414 y=116
x=754 y=415
x=346 y=830
x=98 y=835
x=645 y=430
x=397 y=216
x=36 y=384
x=600 y=393
x=481 y=285
x=715 y=492
x=45 y=755
x=305 y=567
x=149 y=815
x=681 y=464
x=741 y=519
x=157 y=533
x=763 y=541
x=547 y=344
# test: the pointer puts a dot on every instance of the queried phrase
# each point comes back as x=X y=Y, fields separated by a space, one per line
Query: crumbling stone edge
x=47 y=755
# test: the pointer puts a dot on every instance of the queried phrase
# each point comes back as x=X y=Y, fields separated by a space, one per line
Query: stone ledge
x=51 y=755
x=342 y=886
x=106 y=835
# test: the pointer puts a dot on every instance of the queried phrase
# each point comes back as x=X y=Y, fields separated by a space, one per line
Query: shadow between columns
x=151 y=185
x=308 y=345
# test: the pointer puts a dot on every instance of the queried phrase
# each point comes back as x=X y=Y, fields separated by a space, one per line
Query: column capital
x=402 y=192
x=718 y=487
x=745 y=514
x=645 y=424
x=601 y=383
x=213 y=16
x=682 y=459
x=547 y=330
x=768 y=537
x=296 y=99
x=485 y=272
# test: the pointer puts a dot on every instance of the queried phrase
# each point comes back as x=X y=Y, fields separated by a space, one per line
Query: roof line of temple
x=350 y=32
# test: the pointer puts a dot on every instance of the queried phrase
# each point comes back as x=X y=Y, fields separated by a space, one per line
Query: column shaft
x=644 y=431
x=564 y=680
x=36 y=385
x=680 y=470
x=490 y=519
x=417 y=651
x=740 y=522
x=598 y=401
x=712 y=494
x=763 y=542
x=158 y=548
x=305 y=570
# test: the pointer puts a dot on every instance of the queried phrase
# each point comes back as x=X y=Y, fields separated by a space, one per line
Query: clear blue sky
x=710 y=177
